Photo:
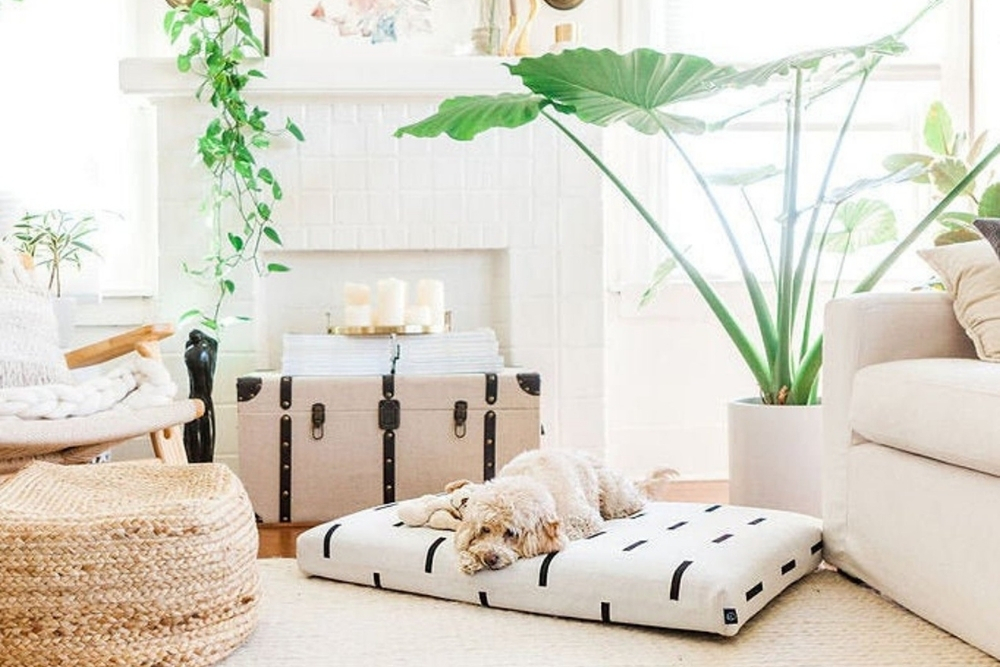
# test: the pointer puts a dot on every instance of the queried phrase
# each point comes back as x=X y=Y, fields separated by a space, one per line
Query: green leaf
x=190 y=315
x=952 y=220
x=463 y=118
x=183 y=62
x=265 y=175
x=864 y=223
x=276 y=191
x=294 y=130
x=235 y=241
x=957 y=236
x=604 y=87
x=743 y=177
x=229 y=286
x=272 y=233
x=662 y=272
x=946 y=173
x=264 y=211
x=847 y=61
x=989 y=202
x=256 y=73
x=862 y=184
x=938 y=130
x=260 y=141
x=201 y=9
x=274 y=267
x=901 y=161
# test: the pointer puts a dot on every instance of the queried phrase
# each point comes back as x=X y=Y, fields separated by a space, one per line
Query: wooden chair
x=168 y=443
x=79 y=439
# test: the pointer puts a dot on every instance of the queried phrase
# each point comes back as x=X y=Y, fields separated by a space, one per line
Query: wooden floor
x=278 y=540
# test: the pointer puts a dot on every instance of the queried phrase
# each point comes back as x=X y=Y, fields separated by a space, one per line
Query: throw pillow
x=971 y=273
x=29 y=338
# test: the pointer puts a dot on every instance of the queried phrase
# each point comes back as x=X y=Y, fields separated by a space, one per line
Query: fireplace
x=511 y=222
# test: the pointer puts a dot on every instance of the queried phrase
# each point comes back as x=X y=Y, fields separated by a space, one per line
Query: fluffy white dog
x=536 y=504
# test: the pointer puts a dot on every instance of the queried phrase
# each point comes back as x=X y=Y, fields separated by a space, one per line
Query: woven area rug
x=822 y=620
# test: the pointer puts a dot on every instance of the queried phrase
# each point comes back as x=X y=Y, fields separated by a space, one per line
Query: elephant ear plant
x=644 y=89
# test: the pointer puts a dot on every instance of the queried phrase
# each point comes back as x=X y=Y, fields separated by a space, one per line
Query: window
x=68 y=138
x=745 y=33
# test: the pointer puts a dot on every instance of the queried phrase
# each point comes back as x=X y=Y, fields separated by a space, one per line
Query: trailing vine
x=244 y=192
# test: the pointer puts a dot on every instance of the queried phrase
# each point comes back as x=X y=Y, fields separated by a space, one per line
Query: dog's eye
x=485 y=530
x=509 y=534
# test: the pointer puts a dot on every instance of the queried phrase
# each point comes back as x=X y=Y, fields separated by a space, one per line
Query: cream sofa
x=912 y=460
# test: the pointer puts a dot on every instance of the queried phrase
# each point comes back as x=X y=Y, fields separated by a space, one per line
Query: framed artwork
x=316 y=28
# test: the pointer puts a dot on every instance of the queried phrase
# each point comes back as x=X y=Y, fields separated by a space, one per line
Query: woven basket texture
x=125 y=564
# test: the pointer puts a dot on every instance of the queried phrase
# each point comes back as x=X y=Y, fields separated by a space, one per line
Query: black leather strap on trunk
x=285 y=471
x=489 y=445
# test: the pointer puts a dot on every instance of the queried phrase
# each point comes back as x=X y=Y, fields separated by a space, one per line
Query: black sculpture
x=200 y=352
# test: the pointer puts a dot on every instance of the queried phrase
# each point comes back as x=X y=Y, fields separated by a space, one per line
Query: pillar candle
x=391 y=307
x=418 y=315
x=358 y=316
x=357 y=294
x=430 y=293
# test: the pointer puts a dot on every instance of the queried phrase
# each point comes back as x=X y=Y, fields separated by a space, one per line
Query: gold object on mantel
x=180 y=3
x=405 y=330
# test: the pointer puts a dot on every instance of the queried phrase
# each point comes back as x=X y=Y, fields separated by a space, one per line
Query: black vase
x=200 y=353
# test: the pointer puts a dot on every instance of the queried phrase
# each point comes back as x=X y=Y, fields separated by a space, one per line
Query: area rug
x=822 y=620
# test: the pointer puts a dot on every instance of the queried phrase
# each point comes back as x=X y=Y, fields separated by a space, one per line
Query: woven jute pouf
x=125 y=564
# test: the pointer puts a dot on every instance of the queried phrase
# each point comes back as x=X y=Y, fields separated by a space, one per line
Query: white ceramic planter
x=775 y=456
x=65 y=310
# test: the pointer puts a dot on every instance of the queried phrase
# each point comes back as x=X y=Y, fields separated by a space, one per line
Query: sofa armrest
x=861 y=330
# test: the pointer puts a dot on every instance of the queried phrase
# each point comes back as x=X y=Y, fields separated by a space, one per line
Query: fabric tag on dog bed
x=674 y=565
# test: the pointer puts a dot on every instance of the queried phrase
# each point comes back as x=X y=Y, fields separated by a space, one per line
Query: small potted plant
x=55 y=239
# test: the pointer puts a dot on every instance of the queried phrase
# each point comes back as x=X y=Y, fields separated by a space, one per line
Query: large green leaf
x=604 y=87
x=843 y=194
x=865 y=222
x=463 y=118
x=743 y=177
x=844 y=61
x=899 y=161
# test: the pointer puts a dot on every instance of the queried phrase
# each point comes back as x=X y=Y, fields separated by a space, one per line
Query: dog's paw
x=468 y=563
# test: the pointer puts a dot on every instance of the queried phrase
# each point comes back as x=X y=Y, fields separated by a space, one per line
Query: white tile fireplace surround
x=512 y=222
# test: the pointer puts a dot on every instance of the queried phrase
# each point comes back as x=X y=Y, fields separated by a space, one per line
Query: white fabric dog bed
x=673 y=565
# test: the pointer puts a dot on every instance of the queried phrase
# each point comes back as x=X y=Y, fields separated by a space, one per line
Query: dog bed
x=673 y=565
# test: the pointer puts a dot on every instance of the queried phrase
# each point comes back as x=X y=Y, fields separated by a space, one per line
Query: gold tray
x=405 y=330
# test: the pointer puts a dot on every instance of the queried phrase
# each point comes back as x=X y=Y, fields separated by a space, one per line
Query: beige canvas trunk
x=315 y=448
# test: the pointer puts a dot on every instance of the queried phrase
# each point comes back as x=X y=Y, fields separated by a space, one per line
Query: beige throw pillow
x=971 y=273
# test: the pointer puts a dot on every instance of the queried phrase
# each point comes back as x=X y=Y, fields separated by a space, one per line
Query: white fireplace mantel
x=423 y=76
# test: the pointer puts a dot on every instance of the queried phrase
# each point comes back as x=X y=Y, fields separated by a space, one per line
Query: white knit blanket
x=140 y=383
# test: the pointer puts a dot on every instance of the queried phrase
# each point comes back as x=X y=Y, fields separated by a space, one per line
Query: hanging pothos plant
x=241 y=202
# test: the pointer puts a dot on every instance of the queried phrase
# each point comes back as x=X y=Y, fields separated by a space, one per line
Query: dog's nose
x=491 y=561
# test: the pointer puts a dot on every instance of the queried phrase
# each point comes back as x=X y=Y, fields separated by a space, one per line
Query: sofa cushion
x=944 y=409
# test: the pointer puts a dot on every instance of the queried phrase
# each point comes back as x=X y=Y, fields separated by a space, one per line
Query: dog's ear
x=457 y=484
x=552 y=538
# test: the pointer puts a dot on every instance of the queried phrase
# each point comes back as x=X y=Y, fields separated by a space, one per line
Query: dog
x=536 y=504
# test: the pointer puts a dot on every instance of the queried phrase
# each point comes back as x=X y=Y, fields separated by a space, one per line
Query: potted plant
x=646 y=90
x=949 y=157
x=54 y=240
x=243 y=193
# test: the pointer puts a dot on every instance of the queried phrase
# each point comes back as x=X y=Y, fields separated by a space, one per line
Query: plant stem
x=746 y=349
x=814 y=357
x=757 y=299
x=782 y=366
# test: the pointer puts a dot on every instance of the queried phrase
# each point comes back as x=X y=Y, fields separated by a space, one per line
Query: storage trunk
x=316 y=448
